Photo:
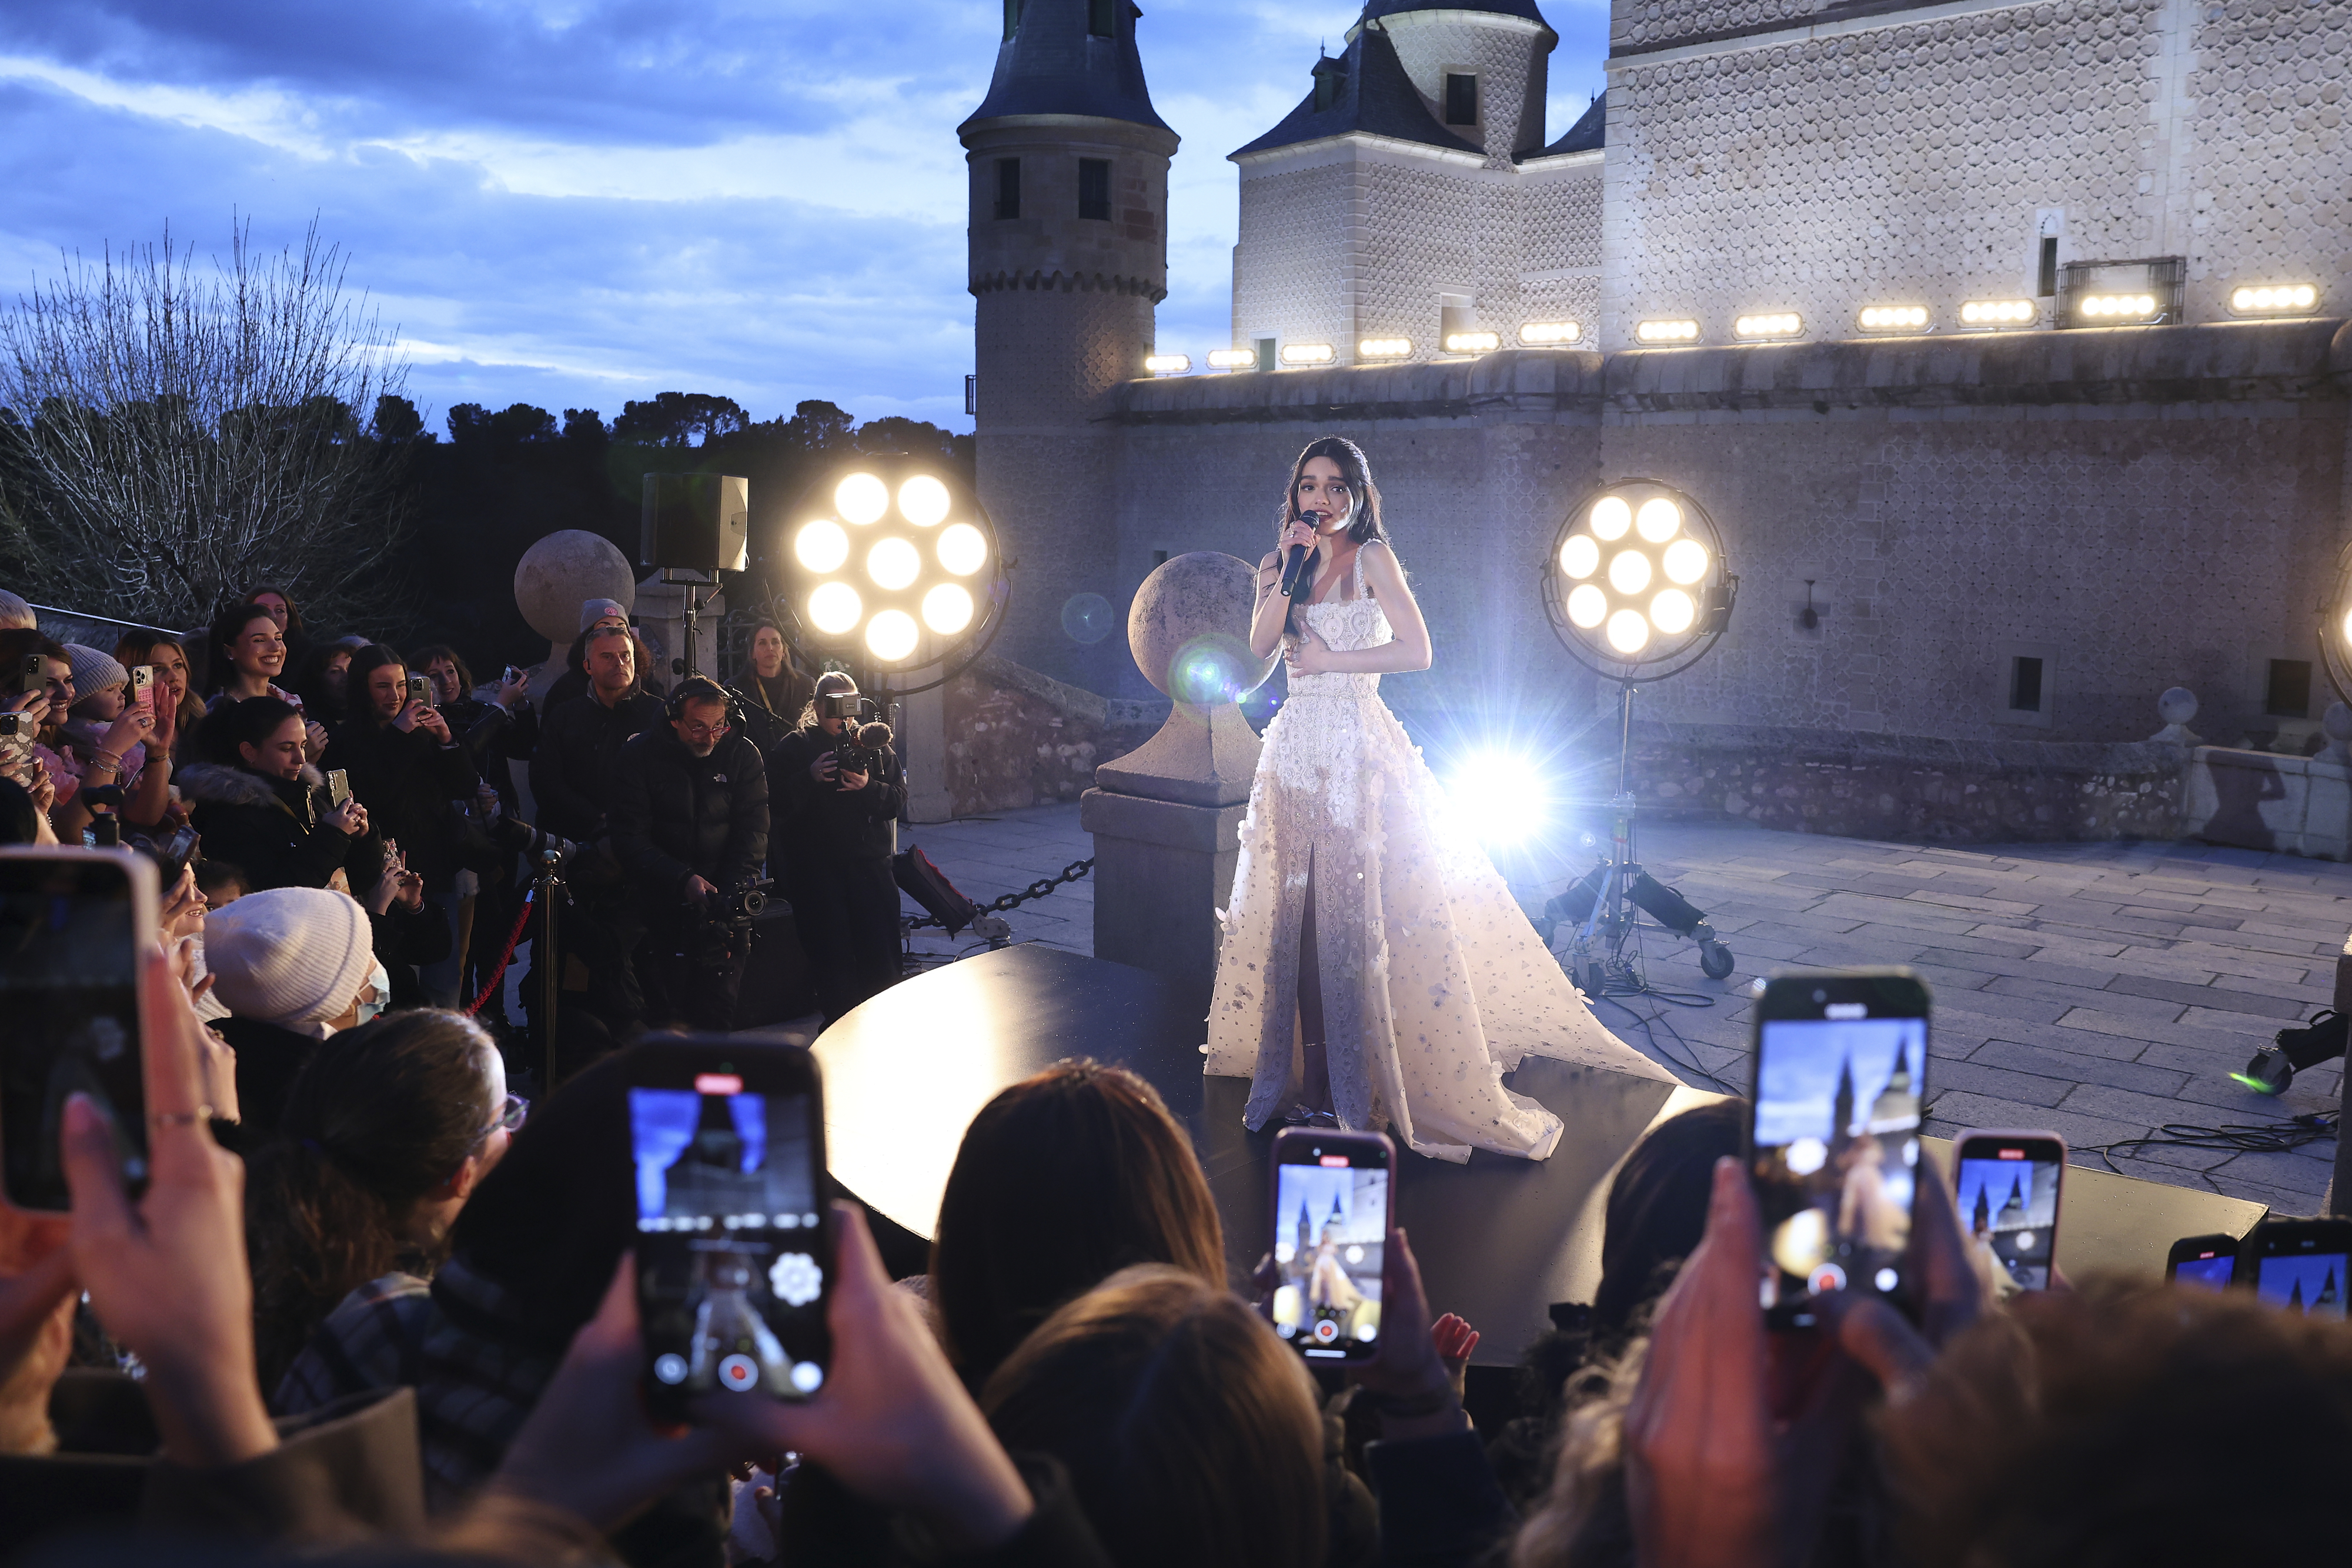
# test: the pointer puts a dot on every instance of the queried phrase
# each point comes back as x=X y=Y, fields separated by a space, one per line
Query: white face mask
x=372 y=1005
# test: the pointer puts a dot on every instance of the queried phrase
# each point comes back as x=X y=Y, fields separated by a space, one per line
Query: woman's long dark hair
x=366 y=663
x=294 y=628
x=226 y=628
x=379 y=1117
x=1356 y=474
x=1062 y=1179
x=249 y=723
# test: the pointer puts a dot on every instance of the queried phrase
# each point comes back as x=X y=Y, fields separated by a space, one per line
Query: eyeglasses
x=510 y=1115
x=704 y=731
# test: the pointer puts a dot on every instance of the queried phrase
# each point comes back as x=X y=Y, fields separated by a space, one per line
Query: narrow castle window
x=1326 y=89
x=1094 y=188
x=1102 y=22
x=1008 y=187
x=2047 y=285
x=1012 y=18
x=2289 y=693
x=1461 y=100
x=2024 y=684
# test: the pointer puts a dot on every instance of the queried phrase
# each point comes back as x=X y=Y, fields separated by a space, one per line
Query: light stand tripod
x=1602 y=904
x=548 y=889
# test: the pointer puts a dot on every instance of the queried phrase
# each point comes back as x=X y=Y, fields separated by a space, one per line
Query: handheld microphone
x=1299 y=554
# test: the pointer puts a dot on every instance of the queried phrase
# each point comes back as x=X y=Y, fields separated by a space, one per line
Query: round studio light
x=1658 y=520
x=1629 y=631
x=862 y=498
x=834 y=609
x=821 y=545
x=891 y=636
x=1634 y=584
x=962 y=548
x=893 y=563
x=1673 y=611
x=923 y=501
x=946 y=609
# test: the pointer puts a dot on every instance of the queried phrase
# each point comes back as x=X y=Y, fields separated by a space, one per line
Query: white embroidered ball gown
x=1435 y=985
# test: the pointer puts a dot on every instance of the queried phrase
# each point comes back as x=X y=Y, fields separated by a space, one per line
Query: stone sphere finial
x=1188 y=628
x=2176 y=707
x=562 y=570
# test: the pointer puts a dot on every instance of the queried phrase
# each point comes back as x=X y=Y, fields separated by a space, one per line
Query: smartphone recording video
x=2203 y=1262
x=1840 y=1068
x=2299 y=1264
x=734 y=1240
x=2007 y=1193
x=73 y=923
x=1332 y=1197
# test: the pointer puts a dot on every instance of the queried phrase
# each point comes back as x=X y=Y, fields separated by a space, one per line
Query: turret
x=1068 y=243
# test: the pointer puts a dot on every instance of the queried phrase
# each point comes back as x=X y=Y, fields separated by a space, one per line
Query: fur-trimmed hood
x=211 y=783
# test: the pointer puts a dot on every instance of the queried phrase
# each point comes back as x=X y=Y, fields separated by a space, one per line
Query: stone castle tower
x=1069 y=255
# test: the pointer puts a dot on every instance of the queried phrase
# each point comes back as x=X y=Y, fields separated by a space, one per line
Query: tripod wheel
x=1714 y=960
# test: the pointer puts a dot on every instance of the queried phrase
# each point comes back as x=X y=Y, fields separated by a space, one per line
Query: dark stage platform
x=1498 y=1239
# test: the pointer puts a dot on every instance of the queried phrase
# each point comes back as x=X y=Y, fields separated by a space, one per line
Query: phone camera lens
x=670 y=1369
x=1821 y=996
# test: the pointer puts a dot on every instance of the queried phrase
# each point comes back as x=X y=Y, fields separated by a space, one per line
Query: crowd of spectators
x=371 y=1306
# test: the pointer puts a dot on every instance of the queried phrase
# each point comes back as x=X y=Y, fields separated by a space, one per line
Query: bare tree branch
x=170 y=437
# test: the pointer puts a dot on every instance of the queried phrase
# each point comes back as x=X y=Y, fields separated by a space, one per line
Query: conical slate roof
x=1589 y=132
x=1372 y=94
x=1052 y=65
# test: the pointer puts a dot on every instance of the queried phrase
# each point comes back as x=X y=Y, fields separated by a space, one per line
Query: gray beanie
x=293 y=956
x=93 y=671
x=16 y=615
x=594 y=610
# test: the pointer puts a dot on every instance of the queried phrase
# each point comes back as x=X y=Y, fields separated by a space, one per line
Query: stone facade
x=1017 y=738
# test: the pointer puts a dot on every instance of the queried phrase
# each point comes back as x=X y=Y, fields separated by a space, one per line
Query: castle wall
x=2138 y=507
x=1510 y=58
x=1918 y=158
x=1560 y=223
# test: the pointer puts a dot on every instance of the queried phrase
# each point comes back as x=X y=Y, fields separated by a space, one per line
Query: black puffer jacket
x=406 y=779
x=818 y=823
x=676 y=815
x=571 y=772
x=269 y=828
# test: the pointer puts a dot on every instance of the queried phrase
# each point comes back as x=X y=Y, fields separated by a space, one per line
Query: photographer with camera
x=690 y=825
x=838 y=791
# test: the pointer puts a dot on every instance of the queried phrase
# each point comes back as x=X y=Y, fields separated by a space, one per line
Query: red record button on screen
x=718 y=1084
x=739 y=1373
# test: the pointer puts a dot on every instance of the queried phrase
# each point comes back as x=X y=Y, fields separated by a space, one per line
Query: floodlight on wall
x=2274 y=299
x=896 y=565
x=1892 y=318
x=1769 y=325
x=1306 y=354
x=1993 y=315
x=1384 y=349
x=1473 y=342
x=1233 y=359
x=1635 y=584
x=2105 y=309
x=1667 y=331
x=1168 y=364
x=1544 y=334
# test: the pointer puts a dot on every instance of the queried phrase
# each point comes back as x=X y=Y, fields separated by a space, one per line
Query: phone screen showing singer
x=2309 y=1283
x=730 y=1246
x=1837 y=1151
x=1330 y=1228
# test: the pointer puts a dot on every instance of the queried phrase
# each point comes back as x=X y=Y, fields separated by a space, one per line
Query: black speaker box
x=694 y=522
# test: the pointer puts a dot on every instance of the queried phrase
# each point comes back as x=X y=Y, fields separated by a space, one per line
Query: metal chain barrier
x=1039 y=889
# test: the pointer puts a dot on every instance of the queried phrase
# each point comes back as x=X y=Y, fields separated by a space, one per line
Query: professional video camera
x=736 y=908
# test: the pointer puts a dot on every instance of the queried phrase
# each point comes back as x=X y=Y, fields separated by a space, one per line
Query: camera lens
x=1821 y=996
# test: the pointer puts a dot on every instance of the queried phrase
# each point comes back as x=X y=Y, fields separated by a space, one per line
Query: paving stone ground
x=2103 y=989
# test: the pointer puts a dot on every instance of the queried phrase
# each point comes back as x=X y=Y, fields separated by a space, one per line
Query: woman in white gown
x=1372 y=964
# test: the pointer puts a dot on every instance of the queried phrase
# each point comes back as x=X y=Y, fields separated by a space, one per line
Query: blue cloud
x=575 y=204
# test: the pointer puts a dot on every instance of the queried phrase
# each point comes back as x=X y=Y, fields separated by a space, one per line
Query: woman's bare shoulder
x=1270 y=561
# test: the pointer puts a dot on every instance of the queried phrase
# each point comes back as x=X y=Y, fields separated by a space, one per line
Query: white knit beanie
x=94 y=670
x=293 y=956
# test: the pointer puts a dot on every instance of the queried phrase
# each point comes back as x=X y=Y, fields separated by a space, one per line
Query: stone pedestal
x=1166 y=817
